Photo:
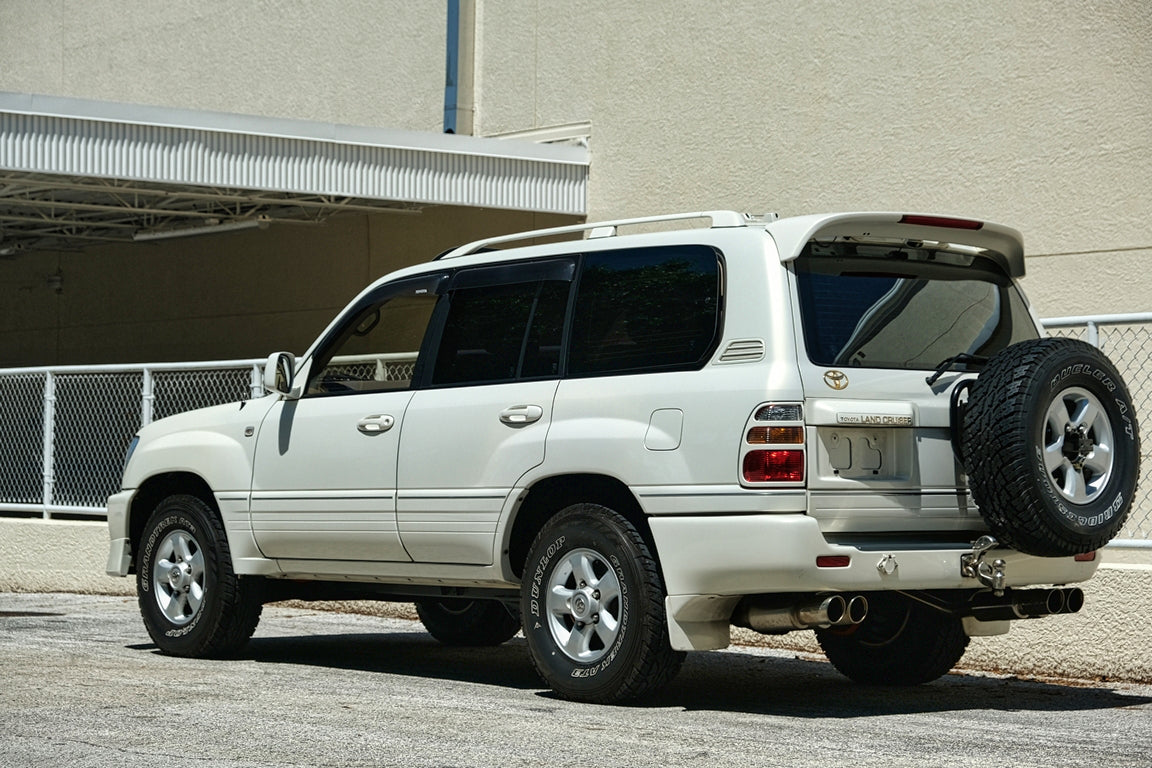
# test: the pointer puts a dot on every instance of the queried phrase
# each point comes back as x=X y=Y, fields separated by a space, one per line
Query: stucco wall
x=358 y=62
x=1032 y=113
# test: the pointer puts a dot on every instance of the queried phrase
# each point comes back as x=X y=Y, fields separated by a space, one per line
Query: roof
x=74 y=171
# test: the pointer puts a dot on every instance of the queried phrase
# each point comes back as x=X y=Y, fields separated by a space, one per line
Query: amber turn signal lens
x=776 y=435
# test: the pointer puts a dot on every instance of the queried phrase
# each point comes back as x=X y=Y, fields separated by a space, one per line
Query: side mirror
x=279 y=371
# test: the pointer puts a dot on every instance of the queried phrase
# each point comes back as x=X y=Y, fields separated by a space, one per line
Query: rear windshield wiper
x=948 y=362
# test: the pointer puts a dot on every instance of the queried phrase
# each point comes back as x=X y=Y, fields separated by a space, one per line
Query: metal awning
x=74 y=172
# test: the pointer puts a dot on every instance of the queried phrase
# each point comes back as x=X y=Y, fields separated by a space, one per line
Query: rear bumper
x=750 y=554
x=709 y=563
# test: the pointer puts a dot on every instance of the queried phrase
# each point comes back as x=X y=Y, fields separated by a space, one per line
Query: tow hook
x=974 y=566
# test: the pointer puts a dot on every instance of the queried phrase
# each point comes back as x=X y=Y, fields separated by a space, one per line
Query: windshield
x=901 y=307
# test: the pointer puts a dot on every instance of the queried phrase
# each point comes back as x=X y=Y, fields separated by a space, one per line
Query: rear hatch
x=886 y=305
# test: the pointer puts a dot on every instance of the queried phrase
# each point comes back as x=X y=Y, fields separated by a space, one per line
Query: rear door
x=480 y=421
x=877 y=320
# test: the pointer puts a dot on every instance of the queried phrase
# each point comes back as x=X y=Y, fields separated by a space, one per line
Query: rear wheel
x=464 y=622
x=192 y=602
x=593 y=608
x=900 y=642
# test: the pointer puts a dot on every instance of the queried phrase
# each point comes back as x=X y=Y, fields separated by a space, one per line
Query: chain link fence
x=63 y=431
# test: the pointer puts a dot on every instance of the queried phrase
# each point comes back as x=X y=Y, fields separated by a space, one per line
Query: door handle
x=374 y=425
x=517 y=415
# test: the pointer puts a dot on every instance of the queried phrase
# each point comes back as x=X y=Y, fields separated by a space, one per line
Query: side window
x=496 y=333
x=646 y=309
x=378 y=347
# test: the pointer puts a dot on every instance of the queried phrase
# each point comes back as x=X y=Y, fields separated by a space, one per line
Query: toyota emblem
x=836 y=379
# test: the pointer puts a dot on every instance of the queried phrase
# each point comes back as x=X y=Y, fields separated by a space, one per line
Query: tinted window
x=645 y=309
x=378 y=346
x=499 y=333
x=905 y=308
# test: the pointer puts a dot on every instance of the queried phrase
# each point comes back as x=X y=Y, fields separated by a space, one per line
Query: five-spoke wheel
x=178 y=577
x=191 y=599
x=584 y=607
x=593 y=608
x=1078 y=445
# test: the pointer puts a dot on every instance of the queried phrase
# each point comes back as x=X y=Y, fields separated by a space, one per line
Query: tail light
x=940 y=221
x=773 y=450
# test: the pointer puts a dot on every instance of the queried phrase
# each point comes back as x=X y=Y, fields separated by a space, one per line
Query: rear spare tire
x=1051 y=448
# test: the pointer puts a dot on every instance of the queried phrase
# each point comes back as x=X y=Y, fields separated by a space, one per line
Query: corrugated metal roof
x=49 y=136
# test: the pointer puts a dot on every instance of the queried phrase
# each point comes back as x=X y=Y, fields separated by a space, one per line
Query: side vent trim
x=743 y=351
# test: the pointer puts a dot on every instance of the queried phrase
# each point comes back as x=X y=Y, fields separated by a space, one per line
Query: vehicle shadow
x=801 y=687
x=414 y=654
x=731 y=681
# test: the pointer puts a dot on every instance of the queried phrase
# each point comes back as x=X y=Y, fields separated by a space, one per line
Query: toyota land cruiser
x=625 y=443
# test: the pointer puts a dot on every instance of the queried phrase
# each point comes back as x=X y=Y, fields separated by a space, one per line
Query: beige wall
x=357 y=62
x=1035 y=113
x=237 y=295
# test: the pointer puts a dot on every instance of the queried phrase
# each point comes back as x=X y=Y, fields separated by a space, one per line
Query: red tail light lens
x=774 y=466
x=1085 y=557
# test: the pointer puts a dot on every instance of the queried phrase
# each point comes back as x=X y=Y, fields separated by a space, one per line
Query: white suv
x=624 y=444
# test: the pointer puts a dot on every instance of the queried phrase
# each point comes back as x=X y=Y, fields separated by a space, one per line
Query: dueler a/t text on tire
x=592 y=604
x=192 y=602
x=1051 y=447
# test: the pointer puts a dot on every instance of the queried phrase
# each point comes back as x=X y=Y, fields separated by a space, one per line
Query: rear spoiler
x=1003 y=245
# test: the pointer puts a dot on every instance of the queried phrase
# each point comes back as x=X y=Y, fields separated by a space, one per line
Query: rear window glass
x=905 y=308
x=500 y=333
x=645 y=309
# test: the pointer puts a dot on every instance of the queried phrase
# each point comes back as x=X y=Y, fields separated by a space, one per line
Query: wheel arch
x=152 y=491
x=548 y=496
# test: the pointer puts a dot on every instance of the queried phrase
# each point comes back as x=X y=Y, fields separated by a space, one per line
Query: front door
x=324 y=479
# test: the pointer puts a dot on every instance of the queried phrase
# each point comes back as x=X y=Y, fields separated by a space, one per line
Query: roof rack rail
x=600 y=229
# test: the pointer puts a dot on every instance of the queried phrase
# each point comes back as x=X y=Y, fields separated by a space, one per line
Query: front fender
x=217 y=444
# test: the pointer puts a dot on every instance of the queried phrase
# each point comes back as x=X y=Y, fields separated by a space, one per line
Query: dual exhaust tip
x=1026 y=603
x=777 y=614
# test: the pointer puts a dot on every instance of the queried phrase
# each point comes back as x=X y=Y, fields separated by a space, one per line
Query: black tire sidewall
x=583 y=530
x=900 y=643
x=1099 y=516
x=179 y=513
x=1003 y=441
x=468 y=622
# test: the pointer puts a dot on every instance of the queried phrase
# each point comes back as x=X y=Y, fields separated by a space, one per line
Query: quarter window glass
x=500 y=333
x=378 y=347
x=646 y=309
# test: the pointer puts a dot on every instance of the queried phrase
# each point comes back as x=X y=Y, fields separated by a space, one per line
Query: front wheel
x=900 y=642
x=593 y=608
x=192 y=602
